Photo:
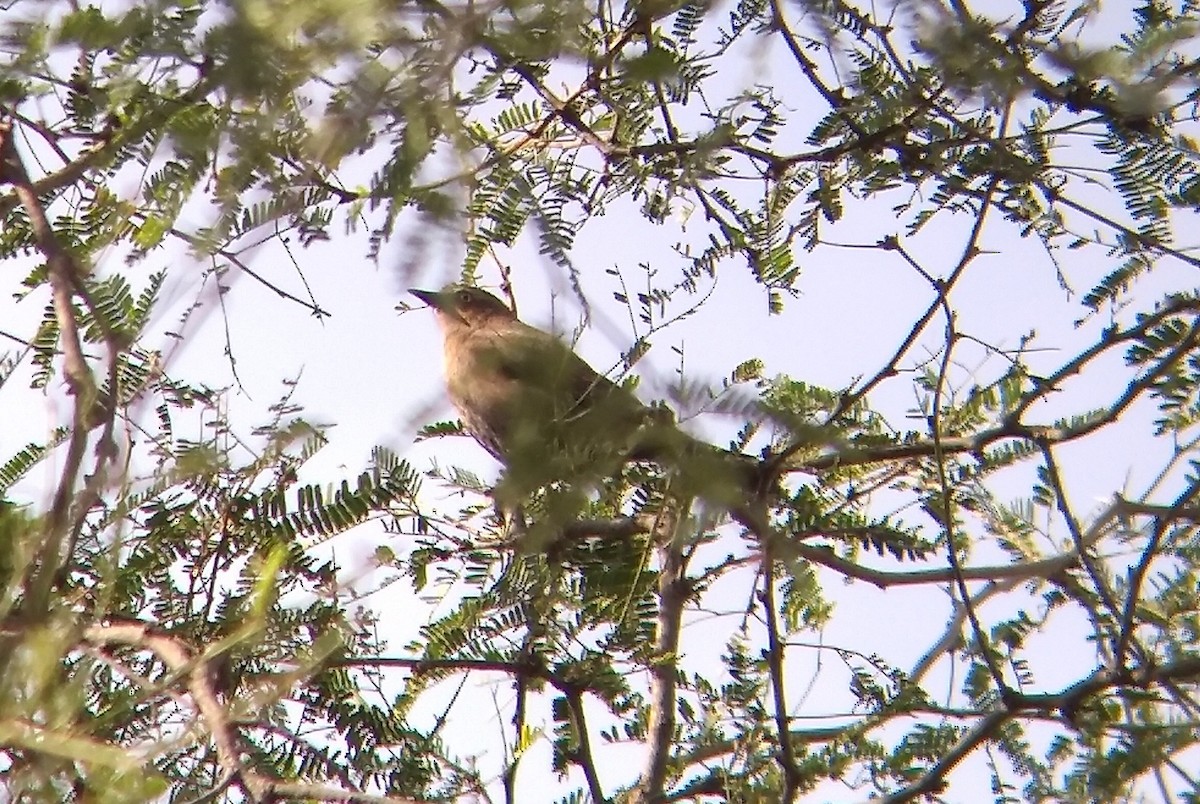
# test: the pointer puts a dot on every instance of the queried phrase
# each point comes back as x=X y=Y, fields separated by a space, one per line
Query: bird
x=548 y=416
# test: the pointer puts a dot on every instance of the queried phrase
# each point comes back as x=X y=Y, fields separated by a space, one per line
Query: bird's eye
x=464 y=296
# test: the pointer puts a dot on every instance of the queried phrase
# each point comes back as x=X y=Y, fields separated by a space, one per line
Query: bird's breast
x=479 y=388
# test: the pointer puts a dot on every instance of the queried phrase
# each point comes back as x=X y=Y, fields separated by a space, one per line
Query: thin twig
x=583 y=755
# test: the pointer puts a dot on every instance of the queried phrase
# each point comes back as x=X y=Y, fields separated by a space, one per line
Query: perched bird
x=548 y=416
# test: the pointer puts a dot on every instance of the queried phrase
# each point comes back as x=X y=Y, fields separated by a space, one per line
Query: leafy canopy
x=172 y=624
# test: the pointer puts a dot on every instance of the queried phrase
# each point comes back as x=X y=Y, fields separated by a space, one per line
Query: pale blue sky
x=376 y=374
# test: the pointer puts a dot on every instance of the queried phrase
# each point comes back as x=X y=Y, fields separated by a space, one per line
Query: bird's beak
x=441 y=302
x=430 y=297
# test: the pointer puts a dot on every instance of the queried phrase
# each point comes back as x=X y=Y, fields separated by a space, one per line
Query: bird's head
x=471 y=307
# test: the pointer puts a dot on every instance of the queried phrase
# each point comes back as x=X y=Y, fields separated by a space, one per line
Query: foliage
x=174 y=622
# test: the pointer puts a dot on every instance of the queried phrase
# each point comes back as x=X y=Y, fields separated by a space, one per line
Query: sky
x=375 y=373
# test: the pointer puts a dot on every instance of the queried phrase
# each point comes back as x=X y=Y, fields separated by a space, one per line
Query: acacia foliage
x=167 y=629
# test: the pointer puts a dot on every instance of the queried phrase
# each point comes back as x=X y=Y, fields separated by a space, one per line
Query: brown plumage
x=546 y=414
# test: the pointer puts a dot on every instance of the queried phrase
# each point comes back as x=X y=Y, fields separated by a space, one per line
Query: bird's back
x=520 y=389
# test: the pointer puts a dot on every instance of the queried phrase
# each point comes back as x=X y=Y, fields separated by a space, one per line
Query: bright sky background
x=377 y=375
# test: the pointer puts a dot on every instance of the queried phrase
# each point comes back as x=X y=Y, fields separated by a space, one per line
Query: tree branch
x=785 y=756
x=65 y=280
x=673 y=592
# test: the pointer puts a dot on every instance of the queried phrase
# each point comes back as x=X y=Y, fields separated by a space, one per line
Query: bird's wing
x=537 y=359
